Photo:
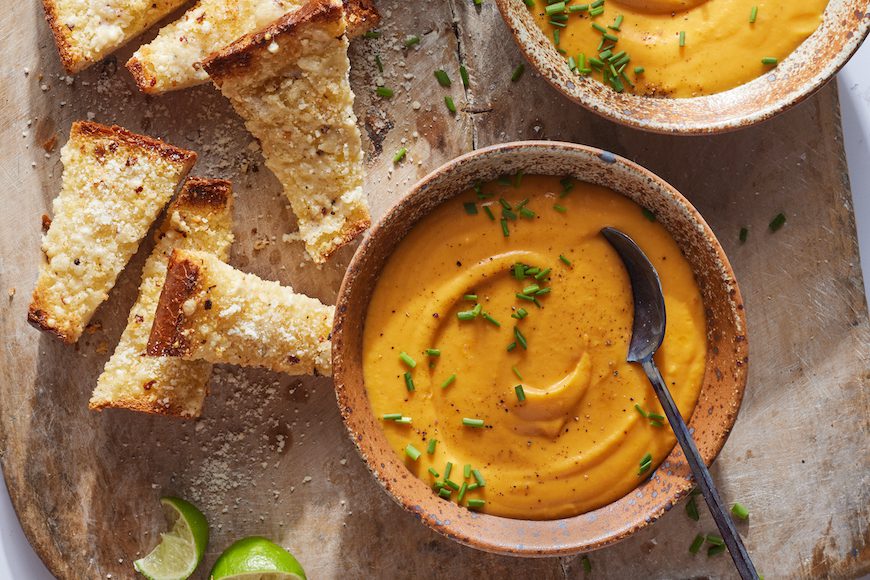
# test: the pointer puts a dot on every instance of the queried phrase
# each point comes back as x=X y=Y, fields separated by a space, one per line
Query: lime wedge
x=256 y=558
x=181 y=549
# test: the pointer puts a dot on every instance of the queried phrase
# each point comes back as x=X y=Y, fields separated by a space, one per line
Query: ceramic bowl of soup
x=688 y=66
x=480 y=340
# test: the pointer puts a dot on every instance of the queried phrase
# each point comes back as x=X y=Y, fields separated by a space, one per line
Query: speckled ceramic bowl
x=845 y=26
x=721 y=393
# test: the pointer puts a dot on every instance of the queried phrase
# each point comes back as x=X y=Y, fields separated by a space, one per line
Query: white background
x=17 y=559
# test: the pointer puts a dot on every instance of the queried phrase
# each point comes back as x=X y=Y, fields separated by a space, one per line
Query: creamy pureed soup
x=677 y=48
x=495 y=344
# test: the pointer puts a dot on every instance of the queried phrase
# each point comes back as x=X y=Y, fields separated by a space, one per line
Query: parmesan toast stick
x=114 y=185
x=85 y=31
x=174 y=59
x=213 y=312
x=290 y=84
x=199 y=219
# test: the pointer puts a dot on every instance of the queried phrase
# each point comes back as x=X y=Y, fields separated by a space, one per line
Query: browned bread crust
x=167 y=338
x=70 y=62
x=161 y=148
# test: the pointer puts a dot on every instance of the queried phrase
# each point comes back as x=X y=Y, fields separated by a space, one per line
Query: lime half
x=181 y=548
x=256 y=558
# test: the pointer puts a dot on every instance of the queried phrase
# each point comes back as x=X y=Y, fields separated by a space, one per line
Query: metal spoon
x=647 y=334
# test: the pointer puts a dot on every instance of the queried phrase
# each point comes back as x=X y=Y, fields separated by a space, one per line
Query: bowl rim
x=351 y=420
x=603 y=107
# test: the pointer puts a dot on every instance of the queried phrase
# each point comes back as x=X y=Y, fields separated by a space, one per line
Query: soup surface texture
x=723 y=41
x=527 y=383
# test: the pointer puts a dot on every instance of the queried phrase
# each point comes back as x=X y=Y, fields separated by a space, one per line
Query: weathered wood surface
x=86 y=485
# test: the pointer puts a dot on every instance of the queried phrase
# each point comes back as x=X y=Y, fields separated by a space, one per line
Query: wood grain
x=86 y=485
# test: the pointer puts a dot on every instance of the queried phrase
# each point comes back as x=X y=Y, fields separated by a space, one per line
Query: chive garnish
x=682 y=38
x=555 y=8
x=470 y=207
x=411 y=41
x=744 y=233
x=567 y=185
x=478 y=478
x=465 y=315
x=648 y=214
x=715 y=550
x=769 y=61
x=372 y=34
x=640 y=410
x=475 y=503
x=740 y=511
x=433 y=472
x=520 y=338
x=385 y=92
x=448 y=381
x=527 y=213
x=520 y=313
x=470 y=297
x=432 y=352
x=392 y=416
x=560 y=208
x=519 y=271
x=505 y=203
x=442 y=77
x=617 y=23
x=517 y=373
x=511 y=346
x=400 y=154
x=466 y=470
x=504 y=228
x=447 y=469
x=409 y=382
x=412 y=452
x=490 y=319
x=462 y=491
x=518 y=72
x=468 y=422
x=521 y=394
x=597 y=4
x=599 y=28
x=430 y=449
x=529 y=290
x=645 y=463
x=638 y=70
x=565 y=260
x=476 y=310
x=406 y=358
x=696 y=544
x=692 y=509
x=451 y=106
x=656 y=417
x=777 y=222
x=451 y=484
x=715 y=540
x=488 y=212
x=587 y=565
x=753 y=14
x=463 y=74
x=472 y=486
x=655 y=423
x=444 y=492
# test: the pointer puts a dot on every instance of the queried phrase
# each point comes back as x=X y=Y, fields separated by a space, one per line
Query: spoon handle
x=702 y=476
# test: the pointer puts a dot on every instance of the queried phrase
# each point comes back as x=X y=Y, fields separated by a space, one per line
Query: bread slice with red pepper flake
x=85 y=31
x=213 y=312
x=200 y=218
x=114 y=185
x=289 y=82
x=174 y=59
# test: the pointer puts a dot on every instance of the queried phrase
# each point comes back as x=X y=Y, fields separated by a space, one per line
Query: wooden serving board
x=270 y=455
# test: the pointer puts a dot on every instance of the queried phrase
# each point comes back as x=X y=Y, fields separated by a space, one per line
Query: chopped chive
x=578 y=8
x=468 y=422
x=565 y=260
x=400 y=154
x=432 y=352
x=777 y=222
x=753 y=14
x=597 y=4
x=392 y=416
x=508 y=214
x=463 y=74
x=504 y=228
x=692 y=509
x=472 y=486
x=648 y=214
x=385 y=92
x=477 y=309
x=411 y=41
x=715 y=540
x=599 y=28
x=596 y=11
x=560 y=208
x=488 y=212
x=520 y=338
x=645 y=463
x=555 y=8
x=696 y=544
x=490 y=319
x=638 y=70
x=527 y=213
x=511 y=346
x=447 y=469
x=449 y=381
x=567 y=184
x=682 y=38
x=451 y=484
x=462 y=491
x=433 y=472
x=744 y=233
x=505 y=203
x=475 y=503
x=656 y=417
x=655 y=423
x=372 y=34
x=543 y=291
x=529 y=290
x=412 y=452
x=466 y=315
x=444 y=492
x=610 y=37
x=521 y=394
x=442 y=77
x=740 y=511
x=430 y=449
x=470 y=207
x=617 y=23
x=517 y=373
x=715 y=550
x=379 y=63
x=520 y=313
x=769 y=60
x=409 y=382
x=640 y=410
x=524 y=297
x=587 y=565
x=451 y=106
x=406 y=358
x=518 y=72
x=466 y=470
x=519 y=271
x=470 y=297
x=478 y=478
